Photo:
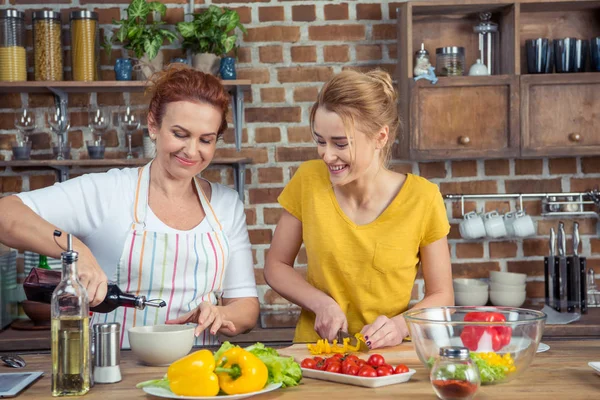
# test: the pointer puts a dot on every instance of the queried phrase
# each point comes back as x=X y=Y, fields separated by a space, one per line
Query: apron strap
x=208 y=210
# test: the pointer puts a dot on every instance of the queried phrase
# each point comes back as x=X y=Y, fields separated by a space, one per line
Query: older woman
x=156 y=230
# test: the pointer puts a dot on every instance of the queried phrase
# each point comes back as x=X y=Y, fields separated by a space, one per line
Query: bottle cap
x=456 y=352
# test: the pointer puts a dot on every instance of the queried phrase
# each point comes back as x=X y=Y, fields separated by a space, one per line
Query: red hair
x=181 y=83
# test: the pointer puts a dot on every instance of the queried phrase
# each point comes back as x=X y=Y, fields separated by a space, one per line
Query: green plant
x=136 y=34
x=211 y=31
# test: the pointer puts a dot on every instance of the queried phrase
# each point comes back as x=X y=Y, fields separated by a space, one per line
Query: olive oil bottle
x=71 y=371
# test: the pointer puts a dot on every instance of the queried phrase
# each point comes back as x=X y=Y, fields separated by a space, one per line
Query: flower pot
x=145 y=67
x=206 y=62
x=123 y=68
x=227 y=68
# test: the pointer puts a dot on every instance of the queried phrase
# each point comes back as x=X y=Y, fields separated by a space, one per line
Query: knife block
x=574 y=288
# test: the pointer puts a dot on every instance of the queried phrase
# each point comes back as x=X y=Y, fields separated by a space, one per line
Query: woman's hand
x=91 y=276
x=384 y=332
x=330 y=319
x=205 y=315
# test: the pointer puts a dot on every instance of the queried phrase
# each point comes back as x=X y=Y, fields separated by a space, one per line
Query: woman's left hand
x=384 y=332
x=205 y=315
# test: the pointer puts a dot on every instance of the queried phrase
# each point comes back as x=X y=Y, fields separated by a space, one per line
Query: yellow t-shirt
x=369 y=270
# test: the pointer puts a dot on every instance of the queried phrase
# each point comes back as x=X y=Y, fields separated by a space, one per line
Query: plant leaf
x=229 y=43
x=158 y=7
x=186 y=29
x=138 y=9
x=122 y=33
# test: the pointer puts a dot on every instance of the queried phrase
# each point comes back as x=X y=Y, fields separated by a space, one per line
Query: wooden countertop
x=562 y=372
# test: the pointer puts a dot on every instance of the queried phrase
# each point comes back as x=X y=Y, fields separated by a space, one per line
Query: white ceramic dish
x=595 y=366
x=161 y=344
x=358 y=380
x=501 y=287
x=507 y=299
x=508 y=278
x=472 y=298
x=469 y=285
x=160 y=392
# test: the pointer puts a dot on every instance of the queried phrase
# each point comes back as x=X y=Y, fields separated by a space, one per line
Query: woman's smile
x=185 y=161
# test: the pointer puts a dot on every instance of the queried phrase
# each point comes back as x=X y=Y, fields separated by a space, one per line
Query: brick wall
x=291 y=48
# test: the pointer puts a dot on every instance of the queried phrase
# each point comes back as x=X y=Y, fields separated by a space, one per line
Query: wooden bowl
x=38 y=312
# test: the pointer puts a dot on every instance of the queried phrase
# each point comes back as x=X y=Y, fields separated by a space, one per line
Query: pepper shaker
x=107 y=354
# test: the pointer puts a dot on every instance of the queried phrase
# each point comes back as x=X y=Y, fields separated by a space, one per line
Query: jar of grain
x=450 y=61
x=47 y=46
x=13 y=64
x=84 y=45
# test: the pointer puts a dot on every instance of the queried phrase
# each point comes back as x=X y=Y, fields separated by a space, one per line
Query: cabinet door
x=560 y=114
x=465 y=117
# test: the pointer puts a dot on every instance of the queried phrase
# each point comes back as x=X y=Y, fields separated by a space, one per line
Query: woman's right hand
x=330 y=319
x=92 y=277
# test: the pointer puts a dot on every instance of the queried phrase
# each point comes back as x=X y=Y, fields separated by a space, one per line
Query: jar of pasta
x=84 y=45
x=13 y=65
x=47 y=46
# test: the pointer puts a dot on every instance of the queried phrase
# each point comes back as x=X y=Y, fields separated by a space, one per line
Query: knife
x=549 y=271
x=353 y=341
x=575 y=273
x=562 y=267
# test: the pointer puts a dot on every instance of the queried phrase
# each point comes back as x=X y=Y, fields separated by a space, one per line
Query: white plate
x=358 y=380
x=160 y=392
x=595 y=366
x=542 y=347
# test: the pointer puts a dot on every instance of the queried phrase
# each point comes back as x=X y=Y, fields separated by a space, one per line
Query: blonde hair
x=367 y=100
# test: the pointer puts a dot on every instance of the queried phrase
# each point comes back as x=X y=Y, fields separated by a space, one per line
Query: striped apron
x=184 y=269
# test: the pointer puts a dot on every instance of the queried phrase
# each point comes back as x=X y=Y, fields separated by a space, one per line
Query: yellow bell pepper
x=240 y=372
x=194 y=375
x=323 y=347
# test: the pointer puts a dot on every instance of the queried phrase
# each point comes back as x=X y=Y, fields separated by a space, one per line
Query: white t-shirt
x=98 y=209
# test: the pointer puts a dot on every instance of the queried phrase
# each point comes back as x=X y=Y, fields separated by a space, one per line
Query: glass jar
x=454 y=376
x=13 y=59
x=422 y=62
x=84 y=45
x=47 y=46
x=450 y=61
x=487 y=31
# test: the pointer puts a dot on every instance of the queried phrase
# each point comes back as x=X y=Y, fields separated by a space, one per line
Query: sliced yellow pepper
x=324 y=347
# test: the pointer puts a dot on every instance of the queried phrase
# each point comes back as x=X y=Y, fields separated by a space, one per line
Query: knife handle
x=583 y=282
x=562 y=240
x=547 y=281
x=572 y=287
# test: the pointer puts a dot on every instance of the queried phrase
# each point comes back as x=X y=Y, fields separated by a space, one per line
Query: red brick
x=464 y=168
x=174 y=15
x=300 y=134
x=535 y=290
x=535 y=247
x=258 y=155
x=496 y=167
x=306 y=94
x=368 y=11
x=336 y=11
x=474 y=269
x=40 y=140
x=392 y=9
x=271 y=215
x=587 y=226
x=304 y=74
x=340 y=33
x=41 y=181
x=244 y=55
x=432 y=170
x=302 y=54
x=270 y=175
x=5 y=141
x=584 y=184
x=10 y=100
x=239 y=1
x=454 y=232
x=533 y=186
x=273 y=34
x=595 y=244
x=270 y=14
x=528 y=167
x=304 y=13
x=245 y=13
x=250 y=216
x=109 y=99
x=530 y=268
x=457 y=208
x=469 y=250
x=107 y=15
x=11 y=184
x=502 y=206
x=271 y=54
x=111 y=138
x=272 y=95
x=212 y=175
x=470 y=187
x=273 y=114
x=260 y=236
x=590 y=165
x=389 y=68
x=393 y=51
x=7 y=120
x=503 y=249
x=368 y=52
x=256 y=75
x=336 y=53
x=284 y=154
x=402 y=168
x=267 y=135
x=264 y=195
x=559 y=166
x=384 y=32
x=75 y=139
x=533 y=207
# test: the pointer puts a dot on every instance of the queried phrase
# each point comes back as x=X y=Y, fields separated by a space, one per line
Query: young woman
x=366 y=229
x=156 y=230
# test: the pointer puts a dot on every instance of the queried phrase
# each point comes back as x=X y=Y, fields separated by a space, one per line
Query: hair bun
x=385 y=80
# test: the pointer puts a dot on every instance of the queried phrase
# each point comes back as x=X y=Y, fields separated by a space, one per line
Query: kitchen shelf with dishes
x=522 y=109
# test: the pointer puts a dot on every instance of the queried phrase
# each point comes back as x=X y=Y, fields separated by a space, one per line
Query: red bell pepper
x=470 y=335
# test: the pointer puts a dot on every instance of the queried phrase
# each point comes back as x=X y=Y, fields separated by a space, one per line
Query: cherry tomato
x=361 y=363
x=308 y=363
x=334 y=367
x=351 y=357
x=347 y=364
x=367 y=371
x=400 y=369
x=318 y=359
x=376 y=360
x=385 y=370
x=353 y=370
x=320 y=365
x=338 y=356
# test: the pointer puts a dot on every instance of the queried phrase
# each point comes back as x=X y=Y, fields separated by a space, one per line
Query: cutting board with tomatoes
x=401 y=354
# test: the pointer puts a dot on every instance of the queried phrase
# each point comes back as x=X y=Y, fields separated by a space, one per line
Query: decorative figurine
x=430 y=76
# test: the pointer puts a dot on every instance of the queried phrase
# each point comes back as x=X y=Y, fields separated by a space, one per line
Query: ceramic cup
x=523 y=224
x=509 y=219
x=472 y=227
x=494 y=225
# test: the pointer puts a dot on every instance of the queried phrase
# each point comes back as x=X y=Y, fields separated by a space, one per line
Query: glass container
x=422 y=62
x=454 y=376
x=450 y=61
x=47 y=46
x=84 y=45
x=13 y=64
x=488 y=42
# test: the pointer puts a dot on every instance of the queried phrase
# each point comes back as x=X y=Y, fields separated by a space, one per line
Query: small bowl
x=161 y=344
x=66 y=151
x=469 y=285
x=508 y=278
x=501 y=287
x=473 y=298
x=508 y=299
x=21 y=150
x=38 y=312
x=95 y=149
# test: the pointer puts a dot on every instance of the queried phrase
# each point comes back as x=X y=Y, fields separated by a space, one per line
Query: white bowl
x=501 y=287
x=161 y=344
x=469 y=285
x=474 y=298
x=508 y=278
x=507 y=299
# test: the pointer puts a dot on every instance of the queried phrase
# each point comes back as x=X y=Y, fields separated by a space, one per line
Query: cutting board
x=401 y=354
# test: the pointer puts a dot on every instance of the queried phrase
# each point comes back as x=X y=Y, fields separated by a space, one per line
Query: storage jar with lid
x=450 y=61
x=13 y=64
x=84 y=45
x=454 y=376
x=47 y=46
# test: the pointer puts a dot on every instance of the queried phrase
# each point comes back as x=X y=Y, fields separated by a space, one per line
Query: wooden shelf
x=97 y=86
x=108 y=162
x=457 y=81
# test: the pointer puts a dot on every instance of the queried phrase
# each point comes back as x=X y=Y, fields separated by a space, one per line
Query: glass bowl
x=502 y=340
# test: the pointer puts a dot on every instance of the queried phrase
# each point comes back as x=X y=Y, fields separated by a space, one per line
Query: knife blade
x=562 y=271
x=549 y=271
x=353 y=341
x=575 y=273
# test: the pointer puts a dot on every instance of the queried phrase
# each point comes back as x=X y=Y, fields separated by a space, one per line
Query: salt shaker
x=107 y=354
x=454 y=376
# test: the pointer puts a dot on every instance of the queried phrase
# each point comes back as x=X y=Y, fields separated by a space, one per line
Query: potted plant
x=142 y=38
x=210 y=36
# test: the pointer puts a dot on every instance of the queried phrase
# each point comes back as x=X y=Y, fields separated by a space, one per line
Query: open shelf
x=96 y=86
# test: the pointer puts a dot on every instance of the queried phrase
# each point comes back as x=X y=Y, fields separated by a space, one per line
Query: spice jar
x=454 y=376
x=450 y=61
x=47 y=46
x=13 y=65
x=84 y=45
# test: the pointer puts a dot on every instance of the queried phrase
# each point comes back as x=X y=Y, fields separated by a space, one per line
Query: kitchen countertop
x=562 y=372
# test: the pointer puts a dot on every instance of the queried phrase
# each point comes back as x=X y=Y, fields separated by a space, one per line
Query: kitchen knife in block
x=549 y=271
x=562 y=268
x=583 y=282
x=556 y=283
x=574 y=270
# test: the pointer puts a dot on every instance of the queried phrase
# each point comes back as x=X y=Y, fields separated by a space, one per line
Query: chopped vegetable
x=240 y=372
x=471 y=334
x=281 y=369
x=324 y=347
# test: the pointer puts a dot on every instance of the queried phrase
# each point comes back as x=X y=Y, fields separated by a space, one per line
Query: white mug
x=472 y=227
x=494 y=225
x=523 y=225
x=509 y=219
